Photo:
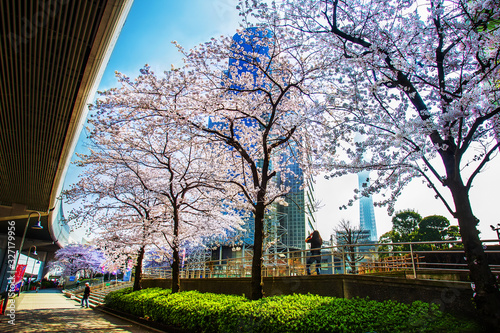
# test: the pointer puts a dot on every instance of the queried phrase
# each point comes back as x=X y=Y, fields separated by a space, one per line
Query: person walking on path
x=86 y=295
x=315 y=240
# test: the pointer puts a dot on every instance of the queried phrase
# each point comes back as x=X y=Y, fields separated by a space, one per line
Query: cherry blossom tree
x=419 y=80
x=211 y=139
x=166 y=171
x=124 y=238
x=254 y=91
x=120 y=215
x=75 y=258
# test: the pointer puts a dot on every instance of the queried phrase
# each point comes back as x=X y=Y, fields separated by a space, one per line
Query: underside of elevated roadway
x=52 y=56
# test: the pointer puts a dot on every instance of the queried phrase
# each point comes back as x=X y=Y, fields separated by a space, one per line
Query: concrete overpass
x=52 y=56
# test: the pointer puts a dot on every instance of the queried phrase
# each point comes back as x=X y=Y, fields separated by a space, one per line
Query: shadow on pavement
x=66 y=320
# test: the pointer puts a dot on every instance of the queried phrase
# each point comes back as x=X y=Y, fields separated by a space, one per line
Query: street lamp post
x=38 y=226
x=27 y=259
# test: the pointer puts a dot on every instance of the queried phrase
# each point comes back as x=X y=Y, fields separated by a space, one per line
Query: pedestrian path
x=44 y=299
x=49 y=311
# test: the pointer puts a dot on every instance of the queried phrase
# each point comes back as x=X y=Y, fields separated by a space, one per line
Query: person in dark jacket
x=315 y=240
x=86 y=294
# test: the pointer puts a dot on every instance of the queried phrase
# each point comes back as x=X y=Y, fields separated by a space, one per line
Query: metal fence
x=430 y=260
x=98 y=284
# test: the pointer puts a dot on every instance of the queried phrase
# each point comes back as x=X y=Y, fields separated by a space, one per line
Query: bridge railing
x=438 y=259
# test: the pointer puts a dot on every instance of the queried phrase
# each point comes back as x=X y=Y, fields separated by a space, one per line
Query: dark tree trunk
x=138 y=270
x=487 y=294
x=352 y=258
x=256 y=282
x=176 y=283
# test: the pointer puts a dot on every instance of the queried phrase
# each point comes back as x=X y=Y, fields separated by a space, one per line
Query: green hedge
x=139 y=303
x=206 y=312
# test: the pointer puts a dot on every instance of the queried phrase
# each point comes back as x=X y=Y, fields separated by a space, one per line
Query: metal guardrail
x=429 y=260
x=98 y=285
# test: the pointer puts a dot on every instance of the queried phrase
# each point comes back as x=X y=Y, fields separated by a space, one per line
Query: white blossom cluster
x=418 y=80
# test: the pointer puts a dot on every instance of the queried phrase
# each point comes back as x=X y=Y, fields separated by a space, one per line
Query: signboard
x=20 y=269
x=18 y=277
x=71 y=278
x=128 y=273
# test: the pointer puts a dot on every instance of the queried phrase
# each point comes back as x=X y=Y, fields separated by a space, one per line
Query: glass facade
x=286 y=227
x=366 y=213
x=299 y=214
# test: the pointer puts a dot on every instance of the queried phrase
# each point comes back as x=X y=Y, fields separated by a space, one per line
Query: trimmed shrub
x=113 y=299
x=207 y=312
x=197 y=311
x=137 y=303
x=311 y=313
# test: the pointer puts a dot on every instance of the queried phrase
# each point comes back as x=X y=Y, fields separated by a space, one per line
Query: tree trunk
x=176 y=283
x=256 y=282
x=138 y=270
x=486 y=293
x=352 y=258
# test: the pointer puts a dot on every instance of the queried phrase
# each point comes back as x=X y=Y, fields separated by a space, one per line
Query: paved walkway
x=50 y=311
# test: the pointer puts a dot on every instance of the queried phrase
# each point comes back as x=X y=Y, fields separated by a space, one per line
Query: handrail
x=96 y=285
x=366 y=258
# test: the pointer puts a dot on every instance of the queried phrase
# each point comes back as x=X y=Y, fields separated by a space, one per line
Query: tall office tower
x=298 y=217
x=366 y=213
x=286 y=227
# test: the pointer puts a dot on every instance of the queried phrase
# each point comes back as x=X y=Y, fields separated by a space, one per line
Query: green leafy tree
x=405 y=222
x=452 y=233
x=391 y=236
x=432 y=228
x=409 y=226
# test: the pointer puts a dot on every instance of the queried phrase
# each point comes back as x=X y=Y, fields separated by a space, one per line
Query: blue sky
x=146 y=38
x=152 y=25
x=150 y=28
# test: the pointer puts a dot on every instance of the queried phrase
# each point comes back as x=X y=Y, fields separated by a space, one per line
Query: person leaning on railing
x=315 y=240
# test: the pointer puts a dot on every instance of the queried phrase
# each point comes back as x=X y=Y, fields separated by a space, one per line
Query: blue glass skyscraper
x=286 y=226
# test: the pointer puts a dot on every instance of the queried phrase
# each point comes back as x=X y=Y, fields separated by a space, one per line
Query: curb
x=152 y=325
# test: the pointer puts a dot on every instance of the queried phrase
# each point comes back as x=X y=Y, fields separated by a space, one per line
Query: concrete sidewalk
x=50 y=311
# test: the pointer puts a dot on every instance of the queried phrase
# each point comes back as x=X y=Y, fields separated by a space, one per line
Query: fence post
x=413 y=263
x=333 y=260
x=343 y=260
x=289 y=269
